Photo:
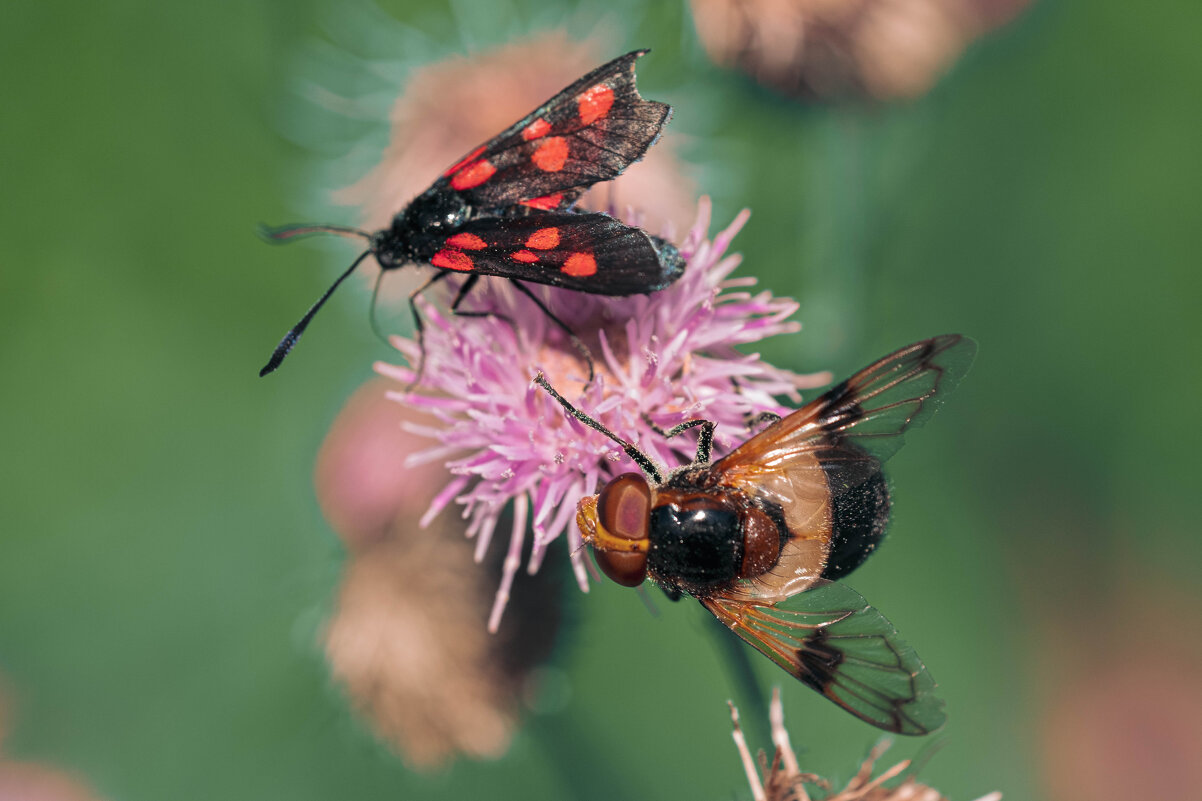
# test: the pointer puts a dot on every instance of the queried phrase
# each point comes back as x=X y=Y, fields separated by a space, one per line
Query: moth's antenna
x=288 y=232
x=281 y=350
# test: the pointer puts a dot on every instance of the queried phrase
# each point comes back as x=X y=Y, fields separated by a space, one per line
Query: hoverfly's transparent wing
x=831 y=640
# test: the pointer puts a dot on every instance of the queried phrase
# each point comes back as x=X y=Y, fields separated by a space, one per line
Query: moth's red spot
x=544 y=239
x=546 y=202
x=595 y=103
x=525 y=257
x=469 y=157
x=473 y=174
x=551 y=154
x=466 y=242
x=534 y=130
x=580 y=265
x=452 y=260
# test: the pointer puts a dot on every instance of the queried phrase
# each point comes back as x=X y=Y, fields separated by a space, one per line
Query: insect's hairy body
x=418 y=230
x=698 y=532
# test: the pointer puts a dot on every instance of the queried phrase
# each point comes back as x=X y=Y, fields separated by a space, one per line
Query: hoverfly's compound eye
x=627 y=569
x=624 y=507
x=624 y=511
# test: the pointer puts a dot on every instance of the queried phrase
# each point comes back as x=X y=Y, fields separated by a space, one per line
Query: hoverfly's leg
x=753 y=421
x=640 y=458
x=419 y=327
x=705 y=440
x=577 y=342
x=462 y=293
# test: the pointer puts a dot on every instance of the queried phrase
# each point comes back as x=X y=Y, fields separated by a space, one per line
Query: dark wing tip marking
x=834 y=642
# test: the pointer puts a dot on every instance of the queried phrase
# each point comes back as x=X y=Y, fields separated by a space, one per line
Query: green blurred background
x=164 y=569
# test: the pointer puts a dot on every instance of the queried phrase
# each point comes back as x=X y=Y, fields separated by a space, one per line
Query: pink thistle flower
x=666 y=357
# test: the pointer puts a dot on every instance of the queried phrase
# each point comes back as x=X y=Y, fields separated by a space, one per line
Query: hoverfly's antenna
x=286 y=233
x=281 y=350
x=639 y=458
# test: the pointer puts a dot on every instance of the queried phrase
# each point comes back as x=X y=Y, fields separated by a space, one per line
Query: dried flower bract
x=783 y=779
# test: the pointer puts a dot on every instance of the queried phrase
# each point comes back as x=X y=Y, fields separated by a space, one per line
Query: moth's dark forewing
x=566 y=145
x=592 y=252
x=830 y=639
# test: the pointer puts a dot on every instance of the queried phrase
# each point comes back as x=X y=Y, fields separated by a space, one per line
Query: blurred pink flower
x=33 y=781
x=665 y=357
x=829 y=49
x=361 y=479
x=1121 y=692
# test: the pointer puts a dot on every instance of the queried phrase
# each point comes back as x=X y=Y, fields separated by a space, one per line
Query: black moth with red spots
x=505 y=209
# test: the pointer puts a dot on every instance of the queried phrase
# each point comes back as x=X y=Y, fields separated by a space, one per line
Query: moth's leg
x=419 y=327
x=577 y=343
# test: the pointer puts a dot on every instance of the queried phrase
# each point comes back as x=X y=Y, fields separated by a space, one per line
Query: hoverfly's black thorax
x=696 y=543
x=692 y=478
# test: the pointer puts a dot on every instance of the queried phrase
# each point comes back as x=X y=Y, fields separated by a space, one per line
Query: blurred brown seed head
x=832 y=49
x=408 y=640
x=410 y=645
x=451 y=107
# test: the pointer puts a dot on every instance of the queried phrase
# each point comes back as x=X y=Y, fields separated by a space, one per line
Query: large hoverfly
x=760 y=536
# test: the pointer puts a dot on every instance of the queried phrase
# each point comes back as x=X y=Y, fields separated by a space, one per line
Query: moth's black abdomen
x=859 y=509
x=671 y=263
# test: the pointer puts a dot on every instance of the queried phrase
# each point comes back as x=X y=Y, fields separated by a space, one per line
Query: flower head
x=881 y=49
x=661 y=359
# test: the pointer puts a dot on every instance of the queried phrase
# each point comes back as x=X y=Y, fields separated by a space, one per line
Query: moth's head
x=388 y=248
x=616 y=522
